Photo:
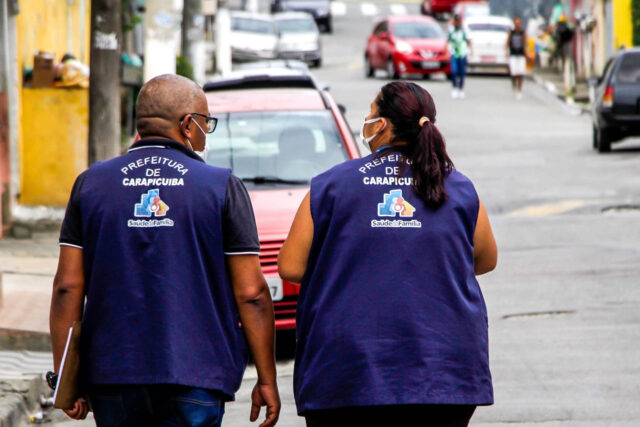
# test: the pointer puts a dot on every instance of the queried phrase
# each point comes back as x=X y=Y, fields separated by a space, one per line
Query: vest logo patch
x=395 y=204
x=150 y=204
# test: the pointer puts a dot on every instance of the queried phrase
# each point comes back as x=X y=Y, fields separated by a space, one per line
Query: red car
x=437 y=7
x=407 y=45
x=276 y=130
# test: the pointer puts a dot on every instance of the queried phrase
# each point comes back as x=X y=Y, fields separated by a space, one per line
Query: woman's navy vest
x=390 y=311
x=160 y=307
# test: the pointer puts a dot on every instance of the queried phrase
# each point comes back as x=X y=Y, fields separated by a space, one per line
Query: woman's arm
x=292 y=260
x=485 y=252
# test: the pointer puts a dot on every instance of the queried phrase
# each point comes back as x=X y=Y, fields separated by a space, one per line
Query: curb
x=18 y=398
x=13 y=339
x=553 y=90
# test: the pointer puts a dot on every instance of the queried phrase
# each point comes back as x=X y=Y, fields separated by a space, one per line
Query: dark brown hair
x=403 y=104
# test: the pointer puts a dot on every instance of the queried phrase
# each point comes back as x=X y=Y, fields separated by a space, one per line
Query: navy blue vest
x=390 y=311
x=160 y=307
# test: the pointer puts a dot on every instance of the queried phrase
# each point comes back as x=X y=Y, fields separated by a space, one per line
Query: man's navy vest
x=160 y=307
x=390 y=311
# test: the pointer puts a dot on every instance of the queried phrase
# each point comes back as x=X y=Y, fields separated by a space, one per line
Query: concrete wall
x=623 y=29
x=54 y=151
x=59 y=131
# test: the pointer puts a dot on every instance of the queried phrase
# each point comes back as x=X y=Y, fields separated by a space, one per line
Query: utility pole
x=222 y=39
x=104 y=81
x=192 y=40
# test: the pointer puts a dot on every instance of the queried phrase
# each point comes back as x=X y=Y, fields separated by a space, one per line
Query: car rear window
x=476 y=10
x=252 y=25
x=296 y=25
x=629 y=70
x=287 y=145
x=417 y=30
x=485 y=26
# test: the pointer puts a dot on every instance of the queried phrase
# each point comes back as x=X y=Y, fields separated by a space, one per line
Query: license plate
x=488 y=58
x=430 y=64
x=275 y=286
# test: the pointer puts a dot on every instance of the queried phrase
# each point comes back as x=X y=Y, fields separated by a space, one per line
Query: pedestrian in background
x=391 y=323
x=458 y=44
x=516 y=48
x=165 y=249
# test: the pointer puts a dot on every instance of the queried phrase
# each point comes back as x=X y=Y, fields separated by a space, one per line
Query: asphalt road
x=564 y=301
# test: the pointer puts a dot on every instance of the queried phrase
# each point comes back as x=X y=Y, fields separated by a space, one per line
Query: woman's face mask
x=367 y=140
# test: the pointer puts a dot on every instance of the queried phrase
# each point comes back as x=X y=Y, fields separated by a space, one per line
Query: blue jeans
x=458 y=71
x=155 y=405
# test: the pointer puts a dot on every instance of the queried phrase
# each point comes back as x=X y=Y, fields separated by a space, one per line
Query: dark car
x=319 y=9
x=616 y=108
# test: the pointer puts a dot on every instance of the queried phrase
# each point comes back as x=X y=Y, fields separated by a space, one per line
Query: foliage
x=635 y=21
x=184 y=68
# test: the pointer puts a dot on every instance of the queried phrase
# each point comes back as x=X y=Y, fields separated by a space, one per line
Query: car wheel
x=391 y=70
x=426 y=76
x=328 y=26
x=316 y=63
x=604 y=141
x=368 y=69
x=595 y=137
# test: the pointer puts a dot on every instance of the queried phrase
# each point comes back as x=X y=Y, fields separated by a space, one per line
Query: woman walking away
x=392 y=325
x=458 y=44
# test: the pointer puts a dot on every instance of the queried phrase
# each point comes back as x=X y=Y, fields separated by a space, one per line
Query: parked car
x=616 y=108
x=467 y=9
x=253 y=37
x=276 y=130
x=319 y=9
x=437 y=7
x=407 y=45
x=488 y=37
x=299 y=37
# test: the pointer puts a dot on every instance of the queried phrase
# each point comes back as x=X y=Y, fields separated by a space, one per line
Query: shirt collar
x=165 y=143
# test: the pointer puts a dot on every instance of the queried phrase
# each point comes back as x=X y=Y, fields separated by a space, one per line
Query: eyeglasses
x=212 y=122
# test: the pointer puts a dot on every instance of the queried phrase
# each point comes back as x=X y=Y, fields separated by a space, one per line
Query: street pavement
x=564 y=300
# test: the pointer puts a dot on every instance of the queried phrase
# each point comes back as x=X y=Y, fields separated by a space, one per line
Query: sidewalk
x=551 y=79
x=26 y=274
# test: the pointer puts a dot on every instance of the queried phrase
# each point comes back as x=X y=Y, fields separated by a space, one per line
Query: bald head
x=163 y=100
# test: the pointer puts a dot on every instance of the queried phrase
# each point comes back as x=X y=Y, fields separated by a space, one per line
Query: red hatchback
x=437 y=7
x=407 y=45
x=276 y=130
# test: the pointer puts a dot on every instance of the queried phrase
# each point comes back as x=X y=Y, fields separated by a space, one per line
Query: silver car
x=253 y=37
x=299 y=37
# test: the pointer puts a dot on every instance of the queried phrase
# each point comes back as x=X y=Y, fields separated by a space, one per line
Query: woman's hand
x=79 y=411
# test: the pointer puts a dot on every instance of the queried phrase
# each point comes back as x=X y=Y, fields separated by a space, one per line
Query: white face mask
x=205 y=150
x=367 y=140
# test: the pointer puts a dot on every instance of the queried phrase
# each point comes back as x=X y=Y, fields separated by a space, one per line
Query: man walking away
x=458 y=44
x=165 y=249
x=516 y=46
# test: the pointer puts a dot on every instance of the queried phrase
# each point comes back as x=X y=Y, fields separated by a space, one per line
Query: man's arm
x=67 y=301
x=256 y=314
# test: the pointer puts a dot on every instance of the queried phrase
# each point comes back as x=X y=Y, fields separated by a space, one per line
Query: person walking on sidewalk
x=391 y=323
x=458 y=44
x=165 y=249
x=516 y=48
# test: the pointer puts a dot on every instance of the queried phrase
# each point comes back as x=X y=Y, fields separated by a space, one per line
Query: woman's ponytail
x=412 y=113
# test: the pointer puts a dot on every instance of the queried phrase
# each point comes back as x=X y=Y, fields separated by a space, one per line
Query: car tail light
x=607 y=98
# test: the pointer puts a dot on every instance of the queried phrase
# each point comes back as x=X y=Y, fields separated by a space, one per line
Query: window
x=296 y=25
x=629 y=69
x=289 y=145
x=417 y=30
x=489 y=27
x=252 y=25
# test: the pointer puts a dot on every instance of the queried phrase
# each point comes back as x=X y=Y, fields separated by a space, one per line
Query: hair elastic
x=423 y=120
